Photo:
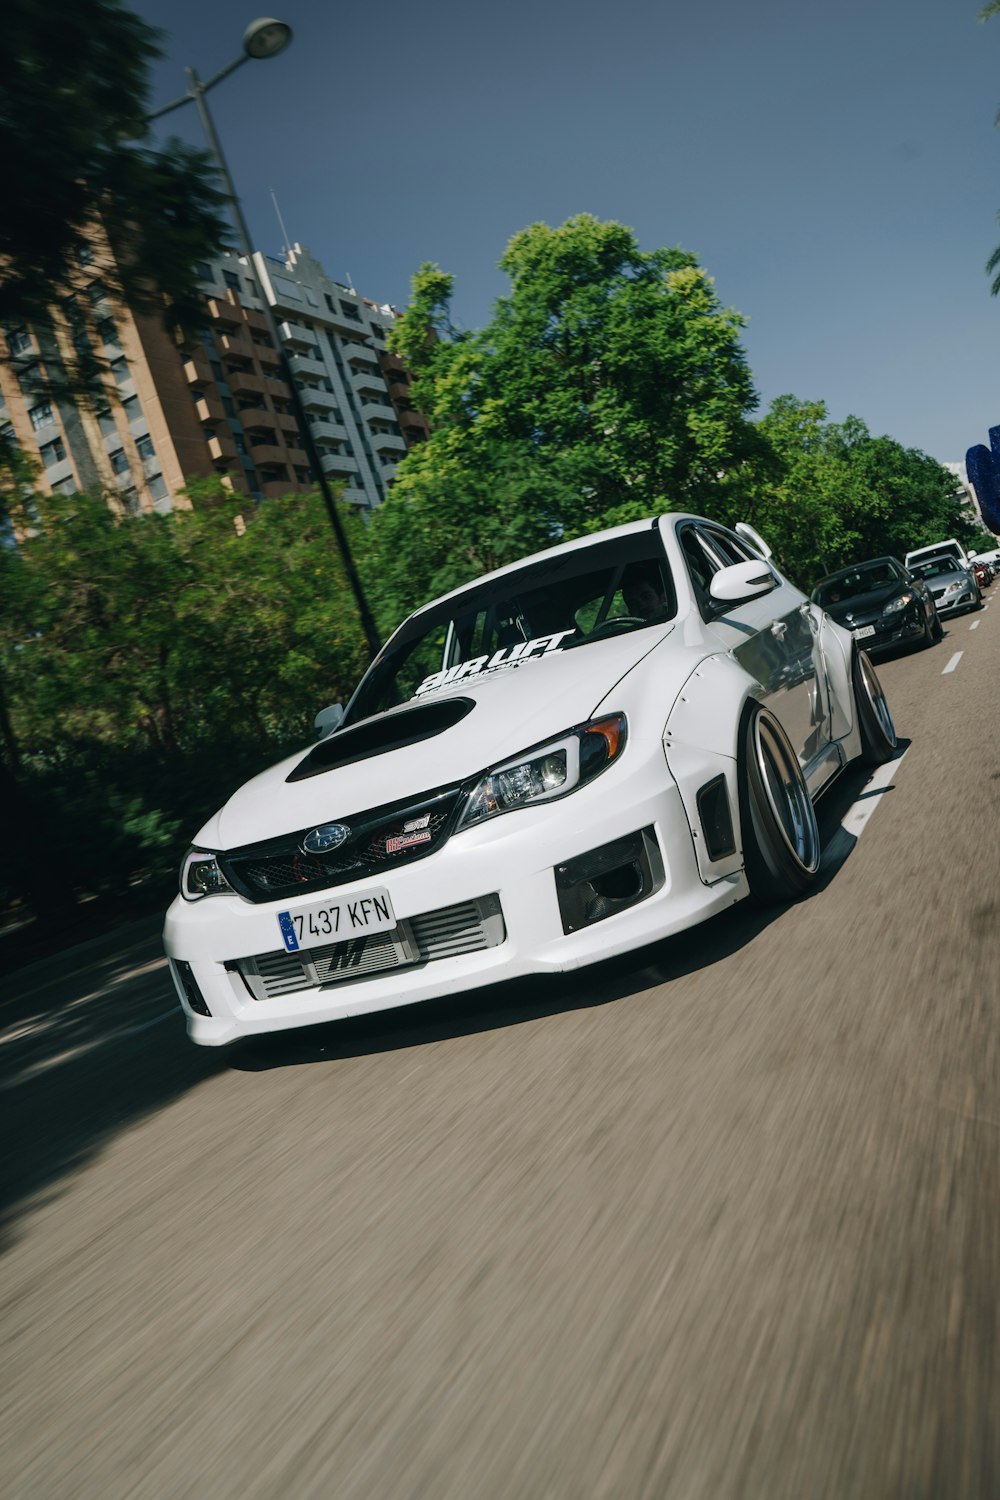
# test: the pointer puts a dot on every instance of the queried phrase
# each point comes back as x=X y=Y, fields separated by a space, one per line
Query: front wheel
x=938 y=627
x=781 y=848
x=878 y=733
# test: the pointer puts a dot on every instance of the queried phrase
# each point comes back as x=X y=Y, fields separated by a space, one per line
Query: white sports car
x=576 y=755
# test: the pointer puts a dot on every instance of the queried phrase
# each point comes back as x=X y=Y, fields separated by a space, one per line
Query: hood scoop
x=390 y=732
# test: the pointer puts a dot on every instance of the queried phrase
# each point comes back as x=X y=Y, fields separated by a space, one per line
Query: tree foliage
x=831 y=494
x=151 y=664
x=74 y=80
x=608 y=383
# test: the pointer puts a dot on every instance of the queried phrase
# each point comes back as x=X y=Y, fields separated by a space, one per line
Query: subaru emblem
x=328 y=836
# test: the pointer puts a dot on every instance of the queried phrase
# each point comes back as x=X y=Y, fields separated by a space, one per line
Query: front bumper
x=513 y=859
x=889 y=636
x=967 y=599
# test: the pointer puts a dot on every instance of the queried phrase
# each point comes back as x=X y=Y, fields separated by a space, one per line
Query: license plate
x=350 y=916
x=866 y=630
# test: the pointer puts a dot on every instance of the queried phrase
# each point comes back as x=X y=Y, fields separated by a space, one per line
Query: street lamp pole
x=262 y=39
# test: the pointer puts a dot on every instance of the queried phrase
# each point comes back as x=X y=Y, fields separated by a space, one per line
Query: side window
x=730 y=548
x=701 y=561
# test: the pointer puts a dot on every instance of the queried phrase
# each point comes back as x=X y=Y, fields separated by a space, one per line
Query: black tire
x=931 y=632
x=938 y=627
x=781 y=846
x=878 y=733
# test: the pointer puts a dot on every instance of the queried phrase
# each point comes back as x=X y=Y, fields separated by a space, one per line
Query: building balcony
x=221 y=310
x=304 y=368
x=338 y=463
x=378 y=412
x=264 y=452
x=255 y=320
x=276 y=389
x=243 y=383
x=237 y=344
x=318 y=400
x=359 y=355
x=222 y=447
x=368 y=380
x=328 y=432
x=275 y=489
x=297 y=337
x=209 y=408
x=347 y=327
x=388 y=442
x=288 y=424
x=197 y=370
x=388 y=472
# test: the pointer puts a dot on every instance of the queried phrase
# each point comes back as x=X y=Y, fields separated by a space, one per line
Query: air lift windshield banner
x=507 y=656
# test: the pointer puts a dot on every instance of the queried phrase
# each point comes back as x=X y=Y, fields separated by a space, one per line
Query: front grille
x=381 y=839
x=469 y=927
x=938 y=593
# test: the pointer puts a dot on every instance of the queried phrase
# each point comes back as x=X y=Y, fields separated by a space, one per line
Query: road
x=721 y=1220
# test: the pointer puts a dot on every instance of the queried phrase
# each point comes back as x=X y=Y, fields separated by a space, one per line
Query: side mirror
x=741 y=581
x=328 y=719
x=755 y=539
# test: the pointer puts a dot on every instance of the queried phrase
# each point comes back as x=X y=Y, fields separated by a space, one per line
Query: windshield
x=553 y=605
x=936 y=567
x=860 y=580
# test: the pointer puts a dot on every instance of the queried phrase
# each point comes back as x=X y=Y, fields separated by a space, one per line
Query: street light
x=262 y=39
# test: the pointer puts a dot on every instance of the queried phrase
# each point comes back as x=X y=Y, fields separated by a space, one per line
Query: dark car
x=881 y=603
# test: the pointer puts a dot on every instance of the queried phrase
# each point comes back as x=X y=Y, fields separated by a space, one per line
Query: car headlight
x=953 y=588
x=201 y=876
x=895 y=605
x=549 y=771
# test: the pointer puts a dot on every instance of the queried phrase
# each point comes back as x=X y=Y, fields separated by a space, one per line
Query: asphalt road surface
x=719 y=1220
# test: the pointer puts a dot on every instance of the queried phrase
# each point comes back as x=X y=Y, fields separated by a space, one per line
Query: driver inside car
x=642 y=590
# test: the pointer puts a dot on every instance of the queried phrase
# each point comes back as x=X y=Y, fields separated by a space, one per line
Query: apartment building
x=218 y=404
x=136 y=436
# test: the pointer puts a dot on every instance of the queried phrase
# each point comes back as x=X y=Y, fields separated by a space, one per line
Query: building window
x=65 y=487
x=106 y=422
x=145 y=447
x=203 y=270
x=232 y=280
x=53 y=453
x=227 y=406
x=107 y=332
x=85 y=256
x=132 y=409
x=97 y=292
x=158 y=487
x=130 y=500
x=18 y=340
x=351 y=312
x=41 y=414
x=119 y=461
x=120 y=370
x=9 y=436
x=241 y=446
x=29 y=378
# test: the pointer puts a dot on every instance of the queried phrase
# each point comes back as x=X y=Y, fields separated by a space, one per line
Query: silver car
x=953 y=587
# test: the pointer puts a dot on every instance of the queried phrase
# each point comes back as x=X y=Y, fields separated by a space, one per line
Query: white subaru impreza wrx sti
x=574 y=756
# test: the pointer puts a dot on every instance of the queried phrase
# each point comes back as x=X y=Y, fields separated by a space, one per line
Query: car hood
x=471 y=725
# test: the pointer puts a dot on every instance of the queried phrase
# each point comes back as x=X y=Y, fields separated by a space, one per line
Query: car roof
x=868 y=562
x=630 y=528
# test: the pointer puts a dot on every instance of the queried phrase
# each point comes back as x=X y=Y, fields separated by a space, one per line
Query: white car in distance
x=576 y=755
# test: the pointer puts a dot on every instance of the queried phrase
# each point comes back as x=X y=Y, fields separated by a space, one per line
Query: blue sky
x=835 y=168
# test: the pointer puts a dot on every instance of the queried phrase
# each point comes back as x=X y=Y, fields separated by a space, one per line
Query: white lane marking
x=856 y=816
x=854 y=821
x=953 y=663
x=975 y=625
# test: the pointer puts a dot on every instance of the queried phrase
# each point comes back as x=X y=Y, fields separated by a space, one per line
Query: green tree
x=609 y=383
x=74 y=81
x=150 y=665
x=832 y=494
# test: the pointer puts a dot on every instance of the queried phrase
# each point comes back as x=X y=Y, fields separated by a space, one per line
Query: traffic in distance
x=579 y=754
